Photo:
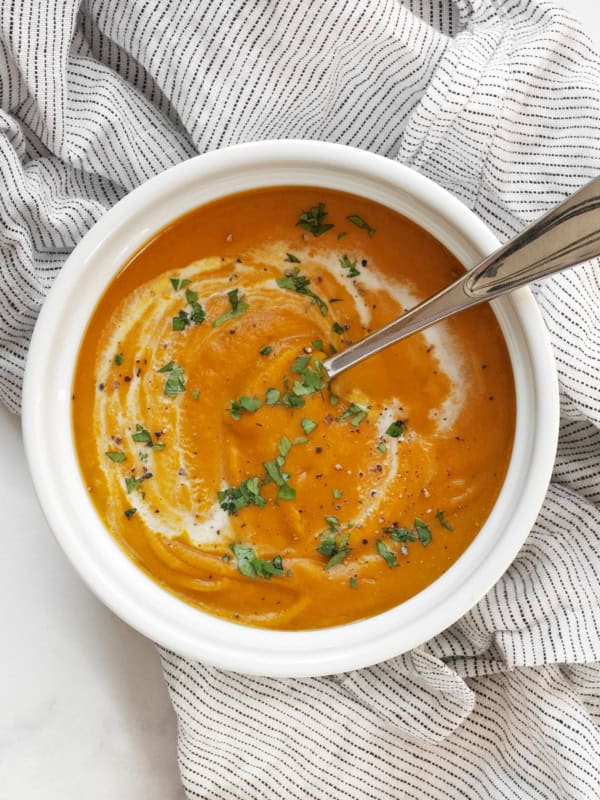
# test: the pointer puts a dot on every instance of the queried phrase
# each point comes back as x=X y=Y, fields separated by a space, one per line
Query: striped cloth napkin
x=498 y=101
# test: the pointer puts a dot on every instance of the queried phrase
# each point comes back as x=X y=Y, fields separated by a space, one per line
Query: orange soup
x=225 y=464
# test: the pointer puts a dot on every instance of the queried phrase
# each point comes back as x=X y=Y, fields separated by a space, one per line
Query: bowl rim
x=153 y=611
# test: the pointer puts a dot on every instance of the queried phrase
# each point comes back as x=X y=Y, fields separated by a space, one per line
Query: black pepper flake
x=365 y=541
x=319 y=475
x=147 y=475
x=101 y=387
x=127 y=378
x=364 y=262
x=138 y=372
x=318 y=449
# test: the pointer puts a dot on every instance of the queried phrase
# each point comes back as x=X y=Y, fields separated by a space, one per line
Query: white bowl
x=53 y=462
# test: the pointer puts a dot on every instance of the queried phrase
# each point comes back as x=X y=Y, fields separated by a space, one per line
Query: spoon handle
x=567 y=235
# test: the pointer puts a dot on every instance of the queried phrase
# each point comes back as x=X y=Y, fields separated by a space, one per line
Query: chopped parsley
x=266 y=350
x=400 y=534
x=313 y=377
x=291 y=258
x=196 y=313
x=284 y=446
x=142 y=435
x=179 y=283
x=272 y=396
x=308 y=426
x=116 y=455
x=119 y=359
x=439 y=515
x=334 y=399
x=387 y=555
x=286 y=493
x=234 y=498
x=295 y=282
x=353 y=582
x=132 y=484
x=175 y=383
x=360 y=223
x=423 y=532
x=396 y=429
x=318 y=344
x=243 y=405
x=238 y=306
x=337 y=328
x=342 y=234
x=130 y=512
x=196 y=394
x=345 y=263
x=313 y=220
x=333 y=544
x=381 y=447
x=356 y=413
x=251 y=566
x=337 y=493
x=291 y=401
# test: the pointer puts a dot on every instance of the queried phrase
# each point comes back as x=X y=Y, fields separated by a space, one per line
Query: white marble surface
x=84 y=714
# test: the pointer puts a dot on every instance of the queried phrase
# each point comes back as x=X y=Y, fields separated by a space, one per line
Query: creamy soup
x=226 y=465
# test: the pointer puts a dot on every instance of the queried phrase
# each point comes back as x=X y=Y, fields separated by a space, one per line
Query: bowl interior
x=51 y=451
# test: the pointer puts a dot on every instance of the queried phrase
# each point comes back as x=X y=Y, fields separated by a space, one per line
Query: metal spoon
x=562 y=238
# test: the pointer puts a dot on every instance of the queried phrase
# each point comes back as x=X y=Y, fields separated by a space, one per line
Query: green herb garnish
x=313 y=220
x=356 y=412
x=334 y=546
x=272 y=396
x=318 y=344
x=251 y=566
x=116 y=455
x=130 y=512
x=396 y=429
x=266 y=350
x=234 y=498
x=291 y=258
x=353 y=582
x=243 y=405
x=286 y=493
x=423 y=532
x=387 y=555
x=337 y=328
x=400 y=534
x=196 y=394
x=298 y=283
x=291 y=401
x=439 y=515
x=175 y=383
x=284 y=446
x=132 y=484
x=381 y=447
x=238 y=306
x=360 y=223
x=118 y=359
x=337 y=493
x=308 y=426
x=142 y=435
x=345 y=263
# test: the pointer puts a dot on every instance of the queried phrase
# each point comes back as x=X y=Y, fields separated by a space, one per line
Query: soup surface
x=222 y=461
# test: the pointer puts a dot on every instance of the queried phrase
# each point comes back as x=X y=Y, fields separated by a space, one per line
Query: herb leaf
x=313 y=220
x=238 y=306
x=265 y=350
x=142 y=435
x=234 y=498
x=291 y=401
x=179 y=283
x=400 y=534
x=286 y=493
x=272 y=396
x=244 y=404
x=130 y=512
x=291 y=258
x=345 y=263
x=308 y=426
x=356 y=412
x=333 y=544
x=337 y=328
x=360 y=223
x=298 y=283
x=118 y=359
x=396 y=429
x=251 y=566
x=116 y=455
x=387 y=555
x=439 y=515
x=423 y=532
x=175 y=383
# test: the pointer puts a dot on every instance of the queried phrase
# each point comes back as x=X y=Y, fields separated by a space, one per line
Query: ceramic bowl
x=51 y=452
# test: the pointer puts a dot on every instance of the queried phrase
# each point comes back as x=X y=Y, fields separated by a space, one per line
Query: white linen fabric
x=498 y=101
